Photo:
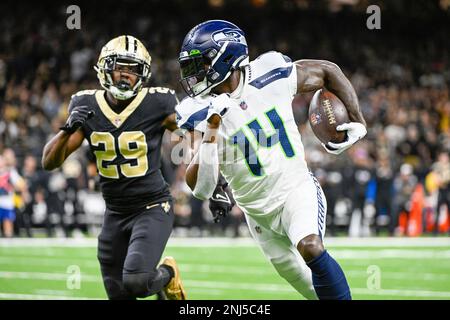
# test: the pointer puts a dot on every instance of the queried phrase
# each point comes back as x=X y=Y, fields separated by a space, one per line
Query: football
x=326 y=112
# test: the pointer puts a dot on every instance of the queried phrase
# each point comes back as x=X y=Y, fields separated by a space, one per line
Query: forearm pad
x=208 y=171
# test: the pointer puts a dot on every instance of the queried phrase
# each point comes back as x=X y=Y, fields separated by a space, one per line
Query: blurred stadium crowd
x=394 y=182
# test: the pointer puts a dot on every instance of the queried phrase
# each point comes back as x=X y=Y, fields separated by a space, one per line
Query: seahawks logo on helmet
x=222 y=36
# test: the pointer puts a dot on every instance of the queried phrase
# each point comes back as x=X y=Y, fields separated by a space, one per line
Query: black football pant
x=130 y=246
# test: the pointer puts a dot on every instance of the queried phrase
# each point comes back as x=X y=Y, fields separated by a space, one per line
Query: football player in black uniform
x=124 y=125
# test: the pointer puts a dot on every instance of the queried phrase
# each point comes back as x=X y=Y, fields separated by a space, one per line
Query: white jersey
x=261 y=153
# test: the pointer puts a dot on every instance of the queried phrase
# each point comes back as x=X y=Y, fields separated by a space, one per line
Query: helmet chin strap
x=201 y=89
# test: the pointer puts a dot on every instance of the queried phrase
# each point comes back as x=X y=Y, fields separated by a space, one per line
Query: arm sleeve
x=208 y=171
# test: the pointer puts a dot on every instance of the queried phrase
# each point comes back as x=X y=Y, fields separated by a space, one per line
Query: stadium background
x=387 y=185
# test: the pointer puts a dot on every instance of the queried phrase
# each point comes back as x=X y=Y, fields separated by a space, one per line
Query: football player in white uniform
x=243 y=110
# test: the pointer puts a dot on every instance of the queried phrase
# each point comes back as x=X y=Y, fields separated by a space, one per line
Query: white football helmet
x=126 y=51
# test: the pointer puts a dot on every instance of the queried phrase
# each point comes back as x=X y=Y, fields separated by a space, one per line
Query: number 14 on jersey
x=279 y=137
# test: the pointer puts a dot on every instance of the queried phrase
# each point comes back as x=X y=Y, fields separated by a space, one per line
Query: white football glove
x=355 y=131
x=219 y=105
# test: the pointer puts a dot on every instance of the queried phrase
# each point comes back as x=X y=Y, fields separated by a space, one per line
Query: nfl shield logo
x=166 y=206
x=117 y=121
x=243 y=105
x=315 y=119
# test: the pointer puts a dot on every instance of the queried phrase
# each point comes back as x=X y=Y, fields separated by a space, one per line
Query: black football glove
x=77 y=117
x=221 y=202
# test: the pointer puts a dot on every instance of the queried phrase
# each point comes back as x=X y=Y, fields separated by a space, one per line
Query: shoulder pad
x=268 y=68
x=84 y=93
x=191 y=114
x=272 y=58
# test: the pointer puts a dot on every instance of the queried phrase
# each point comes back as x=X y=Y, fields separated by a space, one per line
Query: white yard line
x=402 y=293
x=215 y=292
x=202 y=268
x=262 y=271
x=221 y=285
x=239 y=242
x=51 y=292
x=412 y=276
x=275 y=288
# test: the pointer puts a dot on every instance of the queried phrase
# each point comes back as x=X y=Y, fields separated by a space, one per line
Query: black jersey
x=127 y=146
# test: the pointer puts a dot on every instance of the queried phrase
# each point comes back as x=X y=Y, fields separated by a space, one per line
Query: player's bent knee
x=298 y=279
x=137 y=284
x=285 y=268
x=310 y=247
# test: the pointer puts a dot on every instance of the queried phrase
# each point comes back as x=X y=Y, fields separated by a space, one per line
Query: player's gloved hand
x=77 y=117
x=221 y=202
x=219 y=105
x=355 y=131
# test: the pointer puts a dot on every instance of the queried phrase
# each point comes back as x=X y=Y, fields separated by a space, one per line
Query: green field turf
x=33 y=269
